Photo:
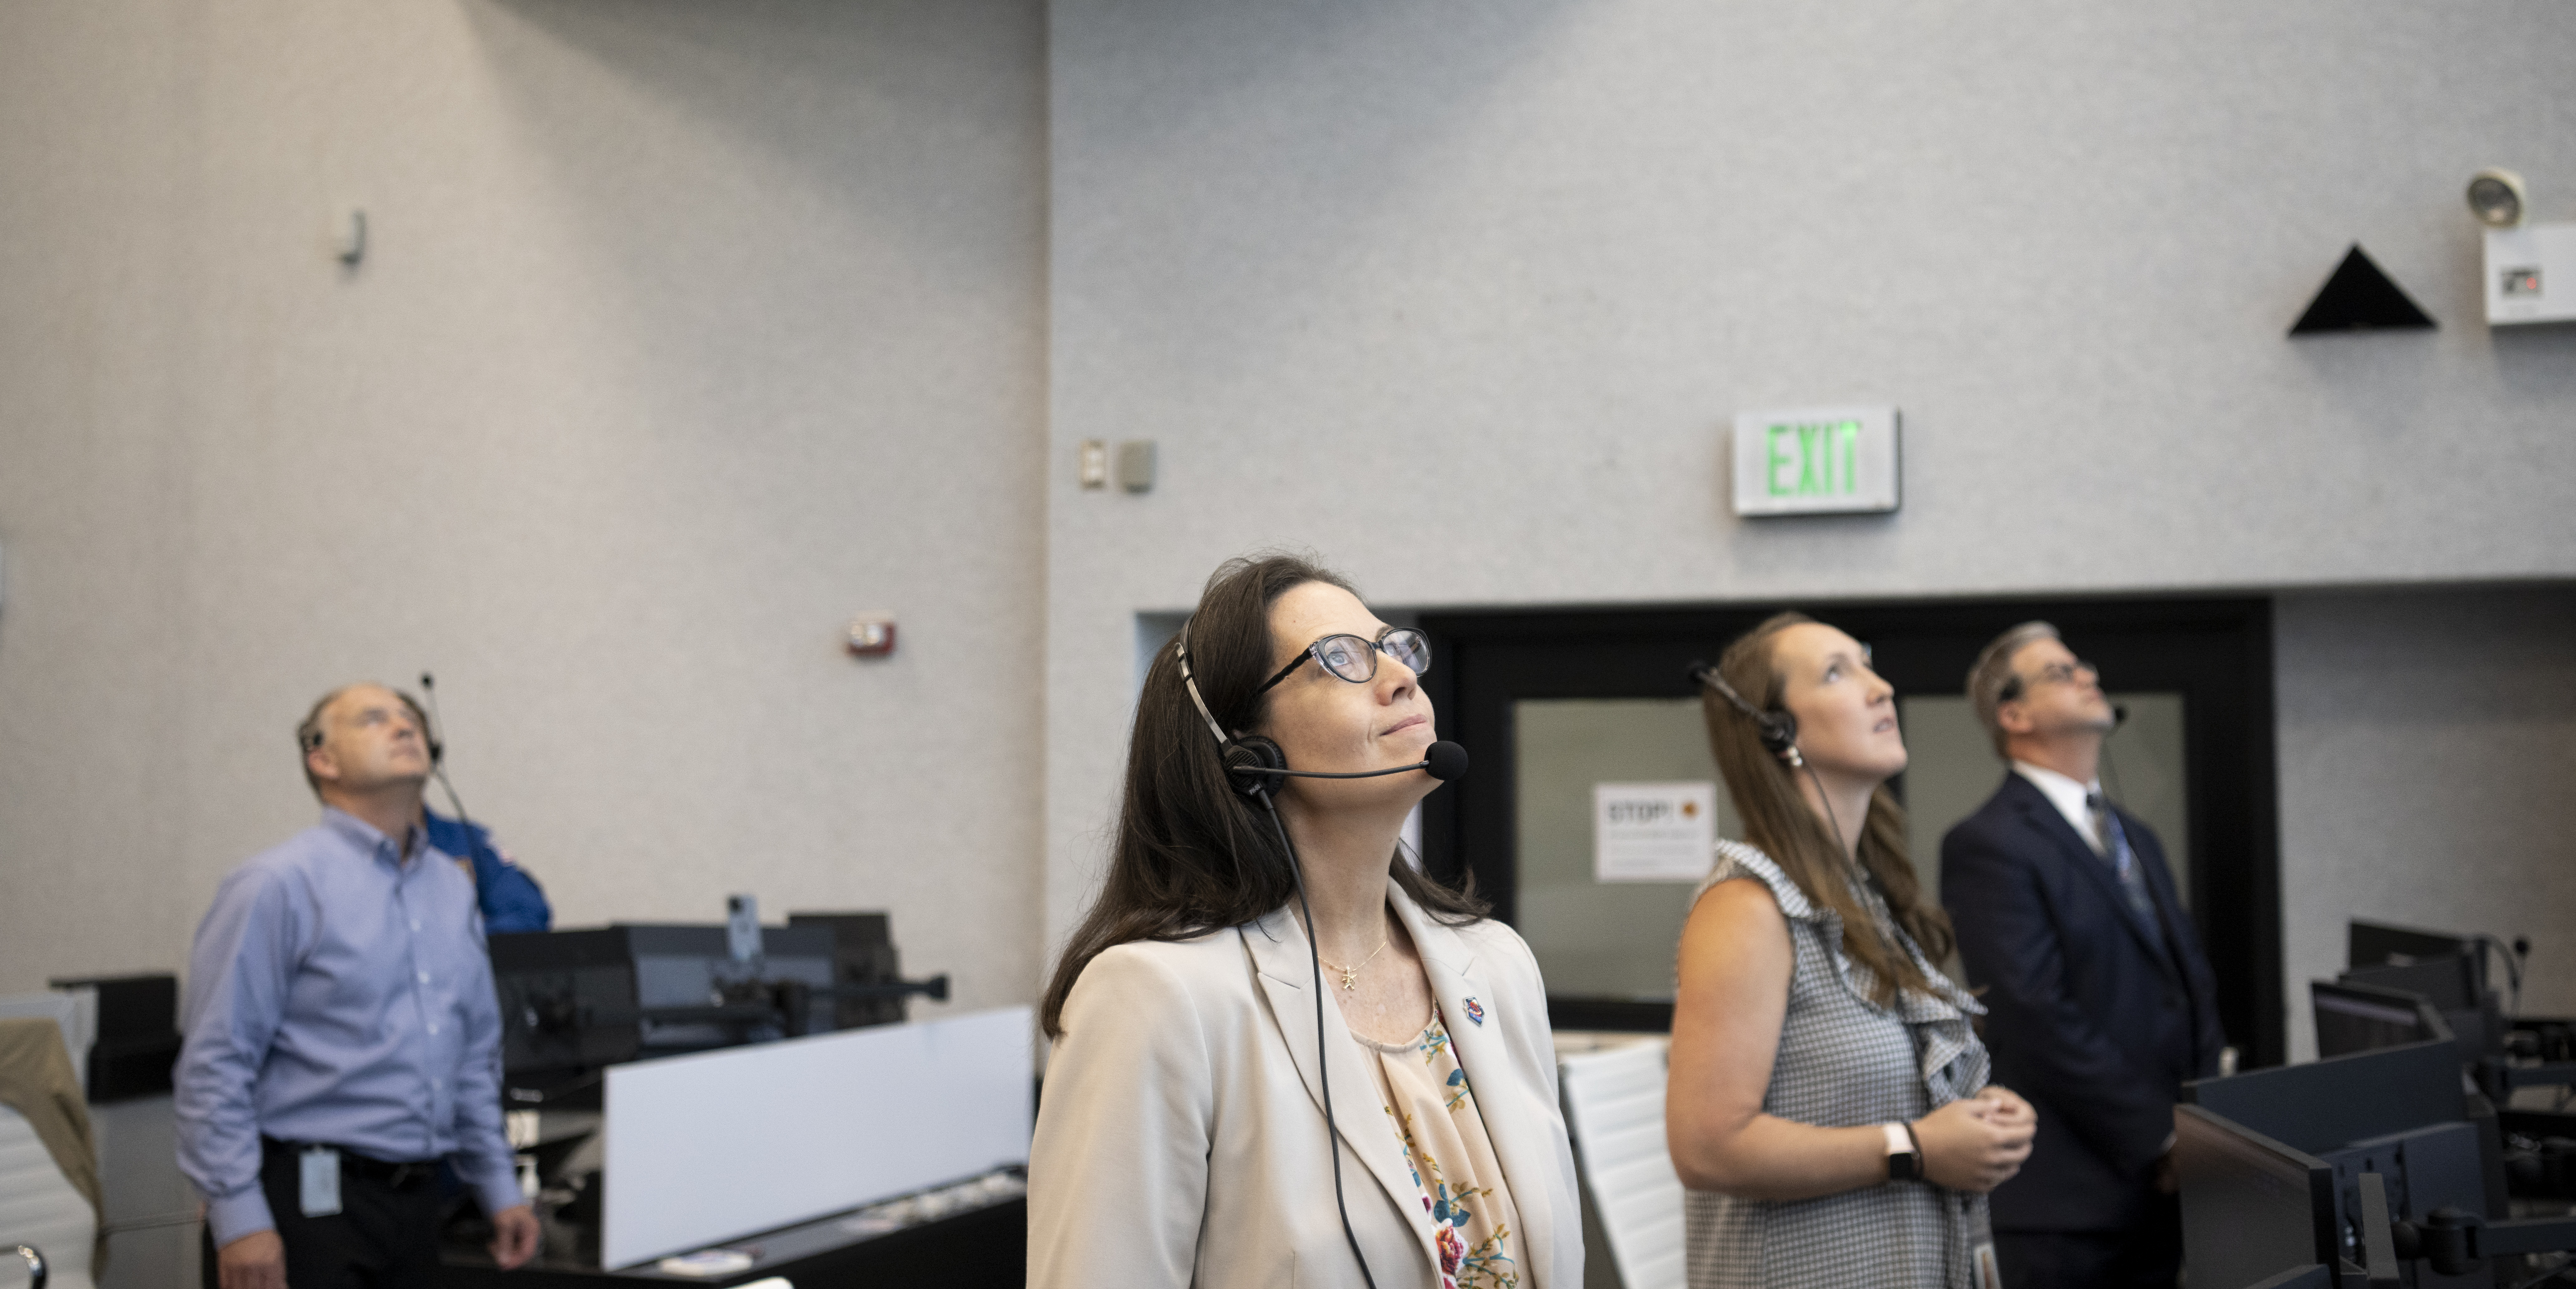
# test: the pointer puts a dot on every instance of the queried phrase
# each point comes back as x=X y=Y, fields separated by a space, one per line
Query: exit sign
x=1816 y=461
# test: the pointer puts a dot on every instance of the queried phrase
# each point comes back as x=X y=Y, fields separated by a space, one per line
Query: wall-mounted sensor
x=2496 y=198
x=870 y=635
x=1136 y=465
x=1092 y=469
x=2530 y=268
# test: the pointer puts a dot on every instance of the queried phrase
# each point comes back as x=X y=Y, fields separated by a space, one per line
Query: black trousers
x=2146 y=1256
x=385 y=1236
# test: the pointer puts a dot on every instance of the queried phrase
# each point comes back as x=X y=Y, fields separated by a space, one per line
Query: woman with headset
x=1828 y=1106
x=1232 y=1100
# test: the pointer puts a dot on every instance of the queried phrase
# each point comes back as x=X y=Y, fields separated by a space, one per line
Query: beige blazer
x=1181 y=1140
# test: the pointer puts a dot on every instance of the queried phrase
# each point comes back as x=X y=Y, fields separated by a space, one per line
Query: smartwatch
x=1904 y=1153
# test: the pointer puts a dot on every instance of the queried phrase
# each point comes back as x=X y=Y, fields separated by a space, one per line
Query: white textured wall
x=693 y=326
x=2428 y=748
x=688 y=330
x=1464 y=297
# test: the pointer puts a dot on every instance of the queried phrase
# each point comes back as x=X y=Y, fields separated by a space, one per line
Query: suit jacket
x=1181 y=1137
x=2092 y=1013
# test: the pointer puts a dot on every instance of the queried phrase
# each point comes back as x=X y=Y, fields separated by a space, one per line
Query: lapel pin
x=1475 y=1011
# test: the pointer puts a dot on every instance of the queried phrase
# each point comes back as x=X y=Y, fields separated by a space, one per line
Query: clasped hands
x=1976 y=1144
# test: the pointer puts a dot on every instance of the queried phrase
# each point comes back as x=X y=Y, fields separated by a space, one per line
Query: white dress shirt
x=2068 y=796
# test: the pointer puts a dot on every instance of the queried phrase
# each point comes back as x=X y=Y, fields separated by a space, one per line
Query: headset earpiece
x=1780 y=734
x=1777 y=729
x=1246 y=753
x=1245 y=757
x=428 y=731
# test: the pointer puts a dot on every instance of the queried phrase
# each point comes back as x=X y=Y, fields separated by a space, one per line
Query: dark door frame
x=2216 y=651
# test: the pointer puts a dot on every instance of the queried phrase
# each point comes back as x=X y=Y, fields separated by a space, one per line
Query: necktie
x=2115 y=848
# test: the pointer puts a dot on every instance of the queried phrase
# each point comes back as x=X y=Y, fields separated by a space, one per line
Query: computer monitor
x=2377 y=944
x=579 y=1001
x=2354 y=1017
x=2252 y=1207
x=2448 y=983
x=2325 y=1105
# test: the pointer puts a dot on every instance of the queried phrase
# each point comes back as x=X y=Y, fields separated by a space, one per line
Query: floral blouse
x=1430 y=1109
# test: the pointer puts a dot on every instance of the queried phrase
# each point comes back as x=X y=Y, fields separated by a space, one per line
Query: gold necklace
x=1351 y=975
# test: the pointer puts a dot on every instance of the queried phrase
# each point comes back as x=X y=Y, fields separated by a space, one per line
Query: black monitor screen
x=2376 y=944
x=2354 y=1017
x=2252 y=1208
x=2326 y=1104
x=2449 y=983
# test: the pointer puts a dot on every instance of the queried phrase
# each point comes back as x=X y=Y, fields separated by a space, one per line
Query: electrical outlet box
x=1136 y=465
x=2531 y=274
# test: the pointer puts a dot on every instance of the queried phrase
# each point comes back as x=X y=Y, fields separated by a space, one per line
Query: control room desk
x=985 y=1248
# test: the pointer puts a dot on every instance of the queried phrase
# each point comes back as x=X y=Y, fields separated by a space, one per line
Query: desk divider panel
x=712 y=1147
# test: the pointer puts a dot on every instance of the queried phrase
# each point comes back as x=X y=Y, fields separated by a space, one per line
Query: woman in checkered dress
x=1829 y=1108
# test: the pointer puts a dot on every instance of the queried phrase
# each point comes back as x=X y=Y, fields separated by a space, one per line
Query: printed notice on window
x=1653 y=832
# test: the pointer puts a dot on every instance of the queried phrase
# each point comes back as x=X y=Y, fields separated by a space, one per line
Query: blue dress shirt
x=511 y=900
x=339 y=993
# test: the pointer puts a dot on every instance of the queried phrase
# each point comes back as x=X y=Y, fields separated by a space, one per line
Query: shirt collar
x=364 y=835
x=2064 y=793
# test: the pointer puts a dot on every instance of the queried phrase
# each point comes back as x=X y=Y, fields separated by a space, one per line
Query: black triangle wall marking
x=2359 y=297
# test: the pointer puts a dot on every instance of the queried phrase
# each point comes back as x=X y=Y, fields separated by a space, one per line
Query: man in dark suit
x=2099 y=1000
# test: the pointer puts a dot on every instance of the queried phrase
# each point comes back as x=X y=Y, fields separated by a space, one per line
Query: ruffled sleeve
x=1954 y=1062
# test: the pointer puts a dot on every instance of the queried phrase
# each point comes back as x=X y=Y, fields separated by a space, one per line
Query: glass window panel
x=1600 y=939
x=1616 y=939
x=1952 y=768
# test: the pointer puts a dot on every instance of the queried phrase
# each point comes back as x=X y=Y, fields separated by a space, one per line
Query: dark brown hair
x=1191 y=856
x=1779 y=822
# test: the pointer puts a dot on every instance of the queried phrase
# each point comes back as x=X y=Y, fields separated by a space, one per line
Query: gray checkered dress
x=1845 y=1062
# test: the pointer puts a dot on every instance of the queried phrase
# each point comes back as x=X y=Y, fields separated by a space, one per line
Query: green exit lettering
x=1814 y=460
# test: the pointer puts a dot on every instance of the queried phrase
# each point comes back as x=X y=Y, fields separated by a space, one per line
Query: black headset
x=309 y=736
x=1777 y=729
x=428 y=729
x=1251 y=762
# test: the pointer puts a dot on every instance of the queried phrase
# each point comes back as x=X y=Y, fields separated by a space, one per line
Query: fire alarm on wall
x=871 y=635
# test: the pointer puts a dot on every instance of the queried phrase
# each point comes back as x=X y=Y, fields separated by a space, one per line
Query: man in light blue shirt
x=342 y=1034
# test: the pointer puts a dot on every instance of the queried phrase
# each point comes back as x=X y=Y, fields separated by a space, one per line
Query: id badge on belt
x=321 y=1181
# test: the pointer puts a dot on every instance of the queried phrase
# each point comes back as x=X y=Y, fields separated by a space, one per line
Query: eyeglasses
x=2060 y=673
x=1354 y=658
x=2055 y=673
